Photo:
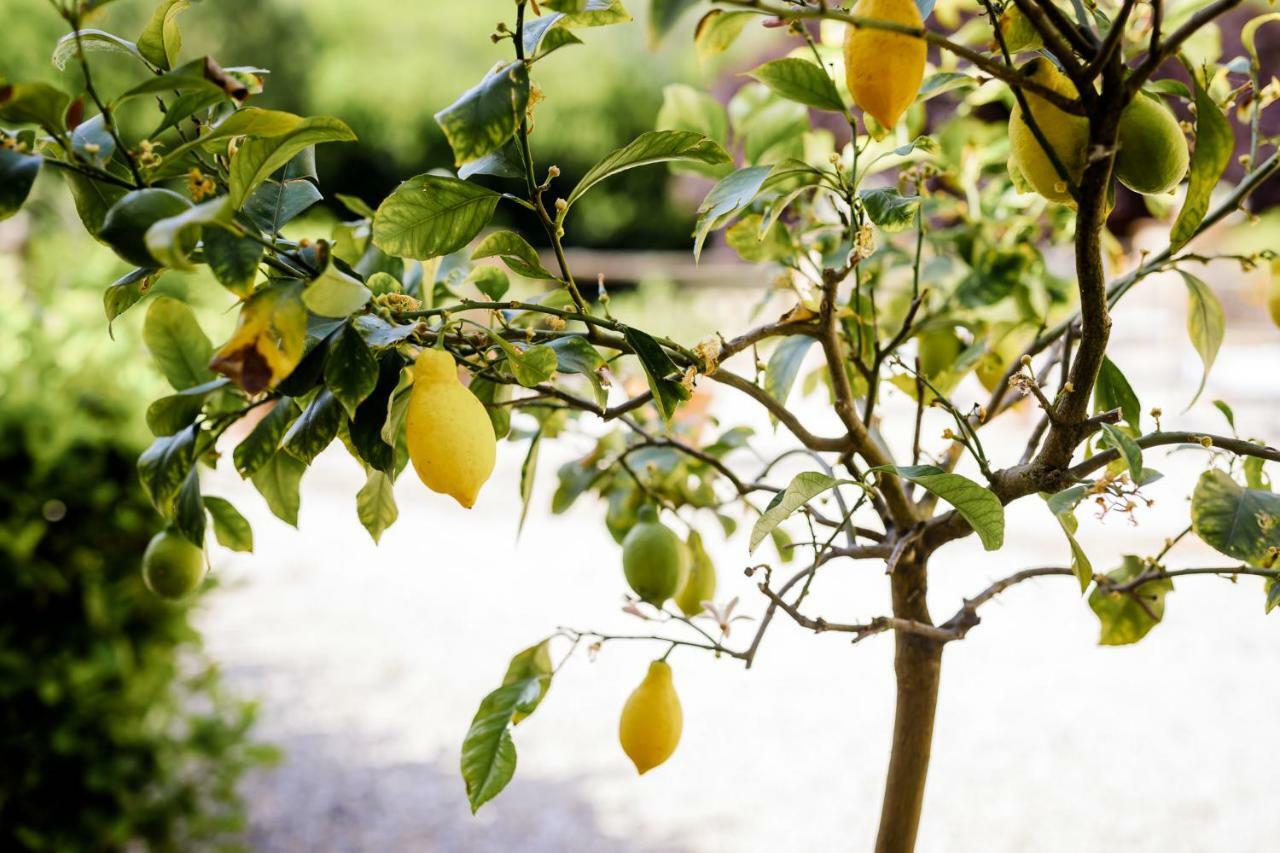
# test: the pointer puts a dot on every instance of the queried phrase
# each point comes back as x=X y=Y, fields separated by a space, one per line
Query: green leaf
x=1080 y=563
x=350 y=370
x=161 y=39
x=1214 y=143
x=92 y=199
x=655 y=146
x=659 y=370
x=1066 y=500
x=199 y=76
x=663 y=15
x=802 y=489
x=531 y=366
x=171 y=240
x=784 y=366
x=1127 y=617
x=398 y=407
x=487 y=115
x=490 y=281
x=92 y=41
x=257 y=158
x=176 y=411
x=376 y=504
x=534 y=662
x=1205 y=325
x=1241 y=523
x=17 y=175
x=232 y=260
x=164 y=466
x=488 y=753
x=890 y=209
x=262 y=442
x=1227 y=412
x=977 y=505
x=92 y=142
x=717 y=31
x=732 y=193
x=249 y=121
x=34 y=103
x=429 y=216
x=231 y=528
x=377 y=332
x=125 y=292
x=370 y=422
x=335 y=294
x=1130 y=452
x=686 y=108
x=528 y=470
x=274 y=204
x=1113 y=391
x=574 y=354
x=278 y=480
x=188 y=510
x=313 y=431
x=177 y=343
x=801 y=81
x=515 y=252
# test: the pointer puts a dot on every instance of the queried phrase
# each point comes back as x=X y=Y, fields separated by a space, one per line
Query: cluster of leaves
x=912 y=262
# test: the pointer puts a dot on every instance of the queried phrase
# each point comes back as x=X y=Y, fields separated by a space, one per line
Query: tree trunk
x=918 y=666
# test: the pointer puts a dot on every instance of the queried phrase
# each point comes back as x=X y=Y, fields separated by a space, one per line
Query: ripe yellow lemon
x=1067 y=134
x=172 y=567
x=1152 y=155
x=654 y=559
x=450 y=437
x=700 y=585
x=884 y=69
x=649 y=730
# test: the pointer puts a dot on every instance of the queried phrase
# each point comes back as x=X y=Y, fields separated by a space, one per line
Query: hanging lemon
x=450 y=437
x=649 y=730
x=1152 y=155
x=1067 y=135
x=884 y=69
x=172 y=567
x=653 y=558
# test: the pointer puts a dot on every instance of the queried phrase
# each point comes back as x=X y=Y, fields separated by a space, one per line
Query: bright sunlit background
x=369 y=661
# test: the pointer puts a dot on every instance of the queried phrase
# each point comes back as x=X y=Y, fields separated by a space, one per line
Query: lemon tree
x=900 y=172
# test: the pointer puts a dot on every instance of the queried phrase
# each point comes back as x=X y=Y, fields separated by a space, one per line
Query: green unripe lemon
x=1152 y=155
x=125 y=227
x=700 y=585
x=653 y=559
x=172 y=567
x=1067 y=135
x=1019 y=33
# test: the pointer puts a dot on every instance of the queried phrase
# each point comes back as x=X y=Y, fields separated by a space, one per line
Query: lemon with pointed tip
x=1151 y=155
x=1067 y=135
x=654 y=559
x=172 y=567
x=450 y=438
x=884 y=69
x=649 y=730
x=700 y=585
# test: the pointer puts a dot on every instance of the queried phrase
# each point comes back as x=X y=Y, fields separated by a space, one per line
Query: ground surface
x=371 y=661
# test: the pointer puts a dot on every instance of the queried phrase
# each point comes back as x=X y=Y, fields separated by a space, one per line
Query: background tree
x=911 y=261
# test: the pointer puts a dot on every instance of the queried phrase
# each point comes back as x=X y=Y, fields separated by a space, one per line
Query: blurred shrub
x=114 y=730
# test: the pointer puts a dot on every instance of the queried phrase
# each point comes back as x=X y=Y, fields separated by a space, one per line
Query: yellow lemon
x=649 y=730
x=1019 y=33
x=172 y=567
x=884 y=69
x=1152 y=154
x=450 y=437
x=700 y=585
x=1273 y=293
x=1067 y=135
x=654 y=559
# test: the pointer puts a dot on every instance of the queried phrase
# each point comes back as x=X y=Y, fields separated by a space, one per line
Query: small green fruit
x=700 y=585
x=1152 y=155
x=125 y=227
x=172 y=567
x=653 y=559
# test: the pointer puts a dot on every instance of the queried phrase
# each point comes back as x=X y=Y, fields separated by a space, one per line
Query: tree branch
x=1238 y=446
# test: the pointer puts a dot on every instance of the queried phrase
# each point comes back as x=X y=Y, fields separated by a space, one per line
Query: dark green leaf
x=1241 y=523
x=1130 y=452
x=487 y=115
x=164 y=466
x=533 y=662
x=575 y=355
x=233 y=260
x=34 y=103
x=17 y=175
x=429 y=216
x=515 y=252
x=177 y=343
x=125 y=292
x=263 y=441
x=488 y=753
x=1113 y=391
x=890 y=209
x=188 y=510
x=93 y=199
x=976 y=504
x=350 y=371
x=377 y=332
x=503 y=163
x=662 y=374
x=231 y=528
x=315 y=428
x=373 y=431
x=275 y=204
x=491 y=281
x=802 y=489
x=176 y=411
x=656 y=146
x=278 y=480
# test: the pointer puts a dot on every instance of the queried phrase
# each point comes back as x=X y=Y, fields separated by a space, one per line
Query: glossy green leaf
x=275 y=204
x=1130 y=452
x=655 y=146
x=1113 y=391
x=257 y=158
x=278 y=481
x=784 y=366
x=487 y=115
x=17 y=175
x=574 y=354
x=488 y=753
x=233 y=260
x=732 y=193
x=34 y=103
x=189 y=515
x=515 y=252
x=176 y=342
x=92 y=142
x=335 y=294
x=1127 y=617
x=1206 y=325
x=491 y=281
x=801 y=81
x=376 y=504
x=890 y=209
x=976 y=504
x=175 y=412
x=261 y=443
x=1242 y=523
x=170 y=241
x=533 y=662
x=350 y=370
x=315 y=428
x=230 y=527
x=430 y=215
x=1214 y=143
x=659 y=370
x=802 y=489
x=164 y=465
x=161 y=40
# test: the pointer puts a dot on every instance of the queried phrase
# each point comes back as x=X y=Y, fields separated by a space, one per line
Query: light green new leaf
x=1206 y=325
x=177 y=343
x=91 y=40
x=231 y=528
x=488 y=753
x=486 y=115
x=376 y=504
x=515 y=252
x=34 y=103
x=801 y=81
x=717 y=31
x=784 y=366
x=1241 y=523
x=161 y=40
x=258 y=157
x=431 y=215
x=1214 y=143
x=528 y=471
x=655 y=146
x=335 y=294
x=171 y=241
x=802 y=489
x=250 y=121
x=1127 y=617
x=976 y=504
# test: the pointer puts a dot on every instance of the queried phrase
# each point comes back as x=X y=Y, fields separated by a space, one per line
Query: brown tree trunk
x=918 y=666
